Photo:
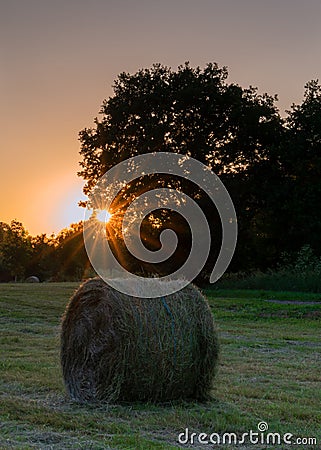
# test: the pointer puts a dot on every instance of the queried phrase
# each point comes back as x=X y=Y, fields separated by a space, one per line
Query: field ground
x=269 y=371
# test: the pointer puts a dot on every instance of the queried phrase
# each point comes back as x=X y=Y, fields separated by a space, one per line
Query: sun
x=103 y=215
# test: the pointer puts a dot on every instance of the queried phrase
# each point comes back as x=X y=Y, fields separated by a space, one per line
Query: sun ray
x=103 y=215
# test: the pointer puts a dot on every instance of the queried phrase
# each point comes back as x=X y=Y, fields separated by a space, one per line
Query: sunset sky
x=59 y=60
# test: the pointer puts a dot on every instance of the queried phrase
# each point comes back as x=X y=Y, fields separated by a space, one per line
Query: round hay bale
x=120 y=348
x=32 y=279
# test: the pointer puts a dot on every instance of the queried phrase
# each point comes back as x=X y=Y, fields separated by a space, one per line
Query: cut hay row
x=120 y=348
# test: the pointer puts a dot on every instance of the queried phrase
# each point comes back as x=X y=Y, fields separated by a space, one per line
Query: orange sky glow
x=59 y=60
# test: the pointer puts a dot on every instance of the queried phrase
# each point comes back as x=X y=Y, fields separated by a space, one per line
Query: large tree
x=190 y=111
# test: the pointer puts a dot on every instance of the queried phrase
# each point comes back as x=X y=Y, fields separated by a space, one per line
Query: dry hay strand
x=120 y=348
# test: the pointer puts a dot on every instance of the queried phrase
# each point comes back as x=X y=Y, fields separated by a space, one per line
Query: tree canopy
x=189 y=111
x=15 y=249
x=56 y=258
x=193 y=111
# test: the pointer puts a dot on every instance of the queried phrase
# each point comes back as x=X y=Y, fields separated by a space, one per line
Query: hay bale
x=120 y=348
x=32 y=279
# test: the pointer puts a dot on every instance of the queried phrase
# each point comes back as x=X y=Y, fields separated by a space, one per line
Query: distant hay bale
x=120 y=348
x=32 y=279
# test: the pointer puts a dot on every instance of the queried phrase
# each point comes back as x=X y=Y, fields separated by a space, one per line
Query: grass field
x=270 y=370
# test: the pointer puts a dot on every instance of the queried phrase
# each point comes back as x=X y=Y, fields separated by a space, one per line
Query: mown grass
x=269 y=370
